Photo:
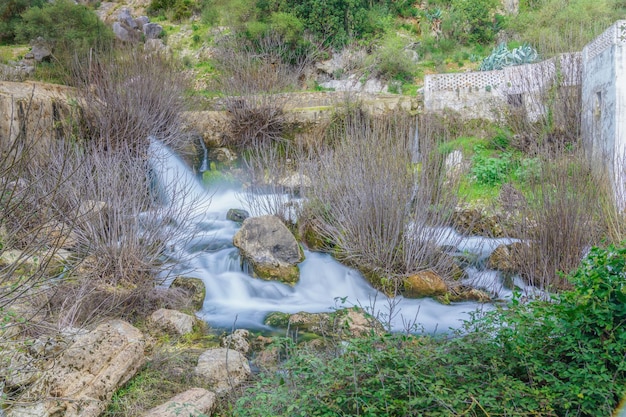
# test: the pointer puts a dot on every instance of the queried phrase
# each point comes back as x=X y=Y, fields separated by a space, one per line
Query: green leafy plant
x=490 y=170
x=502 y=57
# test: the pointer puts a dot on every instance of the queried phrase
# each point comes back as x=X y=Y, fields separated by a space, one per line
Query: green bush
x=490 y=170
x=563 y=357
x=393 y=60
x=71 y=28
x=474 y=21
x=11 y=19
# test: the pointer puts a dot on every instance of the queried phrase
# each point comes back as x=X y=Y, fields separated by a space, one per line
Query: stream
x=203 y=249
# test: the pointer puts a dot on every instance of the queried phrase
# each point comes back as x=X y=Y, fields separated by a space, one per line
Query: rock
x=18 y=368
x=454 y=165
x=224 y=369
x=91 y=211
x=343 y=323
x=212 y=125
x=238 y=340
x=475 y=221
x=191 y=403
x=122 y=33
x=270 y=248
x=141 y=21
x=194 y=287
x=125 y=18
x=152 y=30
x=237 y=215
x=295 y=182
x=223 y=156
x=424 y=284
x=154 y=45
x=466 y=293
x=505 y=258
x=86 y=375
x=41 y=50
x=173 y=321
x=60 y=234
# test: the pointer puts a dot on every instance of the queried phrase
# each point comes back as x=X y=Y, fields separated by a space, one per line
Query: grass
x=12 y=52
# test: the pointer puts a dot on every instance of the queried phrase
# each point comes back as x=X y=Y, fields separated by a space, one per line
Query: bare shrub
x=560 y=221
x=253 y=73
x=129 y=96
x=382 y=213
x=275 y=180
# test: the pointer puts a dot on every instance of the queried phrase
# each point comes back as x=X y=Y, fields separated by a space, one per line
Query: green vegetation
x=551 y=358
x=67 y=26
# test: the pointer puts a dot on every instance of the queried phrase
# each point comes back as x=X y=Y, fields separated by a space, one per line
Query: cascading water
x=235 y=298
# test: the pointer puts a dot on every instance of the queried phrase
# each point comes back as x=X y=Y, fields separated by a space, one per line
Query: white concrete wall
x=603 y=113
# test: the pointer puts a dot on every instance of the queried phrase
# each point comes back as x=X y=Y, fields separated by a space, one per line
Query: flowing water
x=234 y=299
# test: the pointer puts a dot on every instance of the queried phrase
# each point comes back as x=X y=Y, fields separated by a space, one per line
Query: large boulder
x=195 y=289
x=343 y=323
x=506 y=258
x=424 y=284
x=191 y=403
x=173 y=321
x=40 y=49
x=86 y=375
x=223 y=369
x=238 y=340
x=152 y=30
x=270 y=248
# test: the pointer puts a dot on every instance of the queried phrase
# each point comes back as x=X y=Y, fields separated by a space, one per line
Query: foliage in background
x=70 y=28
x=557 y=358
x=11 y=19
x=555 y=26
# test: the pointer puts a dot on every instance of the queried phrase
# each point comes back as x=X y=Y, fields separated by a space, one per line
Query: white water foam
x=234 y=298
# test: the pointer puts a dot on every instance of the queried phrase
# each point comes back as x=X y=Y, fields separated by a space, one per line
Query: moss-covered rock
x=270 y=248
x=424 y=284
x=194 y=287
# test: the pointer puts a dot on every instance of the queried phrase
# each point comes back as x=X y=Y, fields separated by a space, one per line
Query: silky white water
x=234 y=299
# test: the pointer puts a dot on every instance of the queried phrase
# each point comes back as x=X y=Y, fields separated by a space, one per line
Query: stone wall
x=486 y=94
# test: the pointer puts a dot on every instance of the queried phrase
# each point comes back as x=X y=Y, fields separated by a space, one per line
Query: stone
x=125 y=17
x=223 y=369
x=237 y=215
x=424 y=284
x=223 y=156
x=152 y=30
x=467 y=293
x=194 y=287
x=122 y=33
x=238 y=340
x=173 y=321
x=86 y=375
x=475 y=221
x=141 y=21
x=270 y=248
x=505 y=258
x=343 y=323
x=191 y=403
x=295 y=182
x=154 y=45
x=41 y=50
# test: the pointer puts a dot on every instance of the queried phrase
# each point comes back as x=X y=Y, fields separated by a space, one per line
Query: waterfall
x=205 y=165
x=233 y=296
x=415 y=144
